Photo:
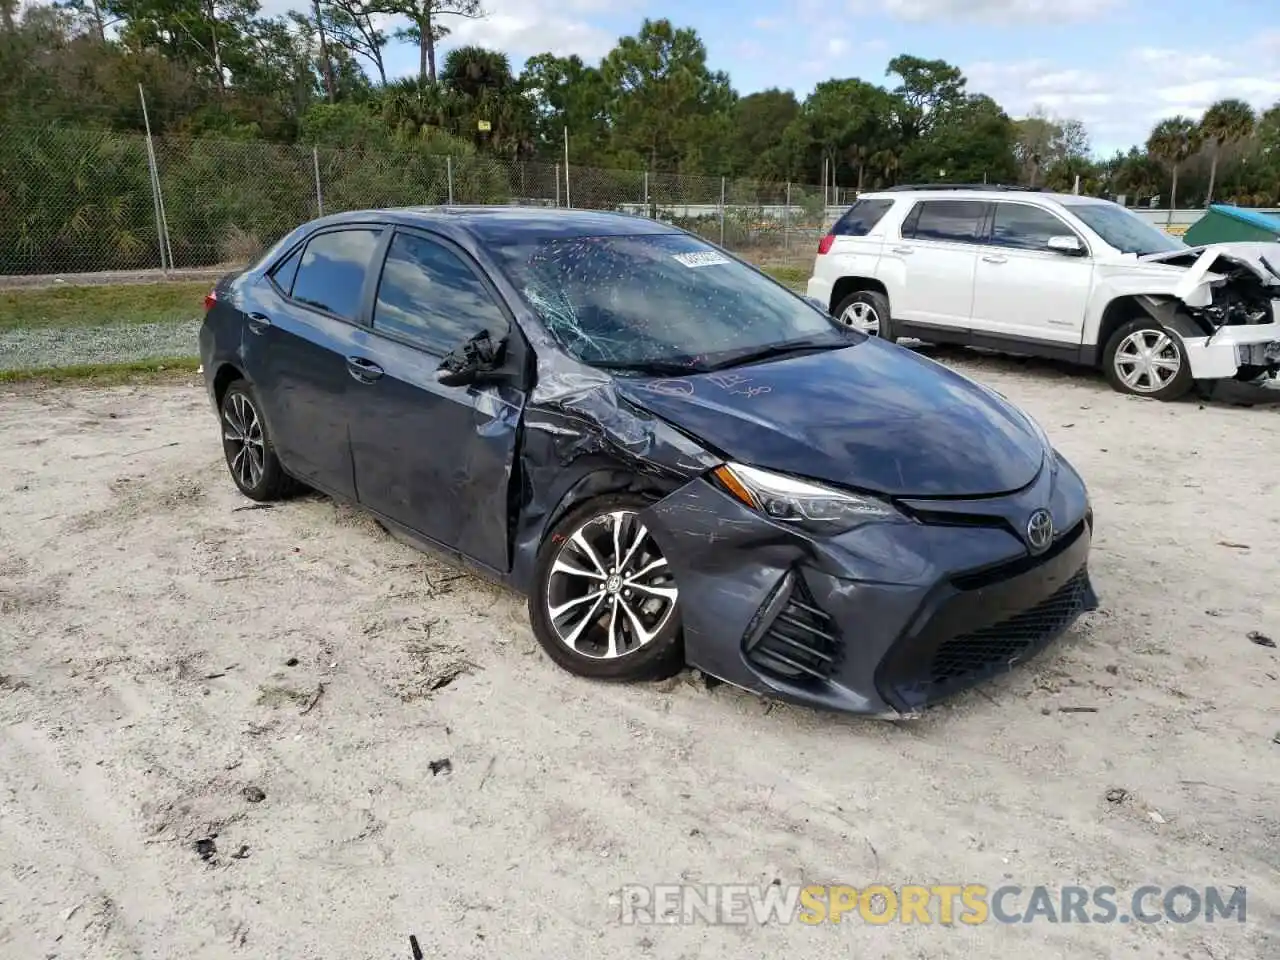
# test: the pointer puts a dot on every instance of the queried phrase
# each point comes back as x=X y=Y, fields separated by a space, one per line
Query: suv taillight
x=210 y=299
x=825 y=244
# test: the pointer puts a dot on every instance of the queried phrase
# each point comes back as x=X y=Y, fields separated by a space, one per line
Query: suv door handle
x=903 y=250
x=366 y=371
x=992 y=258
x=258 y=322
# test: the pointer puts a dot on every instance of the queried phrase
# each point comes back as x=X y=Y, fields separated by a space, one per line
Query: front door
x=299 y=330
x=1025 y=291
x=432 y=458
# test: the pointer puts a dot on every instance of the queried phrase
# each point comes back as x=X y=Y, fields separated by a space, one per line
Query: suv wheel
x=868 y=311
x=1144 y=359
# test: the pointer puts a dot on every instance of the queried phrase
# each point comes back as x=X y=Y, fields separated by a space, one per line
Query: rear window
x=861 y=218
x=331 y=275
x=954 y=221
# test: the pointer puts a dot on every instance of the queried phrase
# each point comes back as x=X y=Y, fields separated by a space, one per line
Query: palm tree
x=1225 y=123
x=1173 y=142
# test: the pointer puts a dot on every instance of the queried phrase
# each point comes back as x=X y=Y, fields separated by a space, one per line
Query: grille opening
x=993 y=649
x=801 y=643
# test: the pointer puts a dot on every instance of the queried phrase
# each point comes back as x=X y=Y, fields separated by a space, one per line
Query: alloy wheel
x=861 y=316
x=610 y=591
x=242 y=432
x=1147 y=360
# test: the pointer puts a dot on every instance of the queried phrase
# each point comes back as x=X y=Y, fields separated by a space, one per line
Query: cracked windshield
x=656 y=303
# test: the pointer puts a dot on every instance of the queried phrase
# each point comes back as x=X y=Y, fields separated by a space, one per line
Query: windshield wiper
x=786 y=348
x=660 y=368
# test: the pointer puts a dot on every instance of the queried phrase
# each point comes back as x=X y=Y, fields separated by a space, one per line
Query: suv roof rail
x=905 y=187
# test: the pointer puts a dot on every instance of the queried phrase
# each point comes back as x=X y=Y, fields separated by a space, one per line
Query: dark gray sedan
x=677 y=459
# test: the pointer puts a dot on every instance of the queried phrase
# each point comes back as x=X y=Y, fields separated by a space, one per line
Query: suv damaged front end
x=1225 y=308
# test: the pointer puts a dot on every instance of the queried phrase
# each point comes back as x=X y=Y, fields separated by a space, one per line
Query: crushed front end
x=887 y=618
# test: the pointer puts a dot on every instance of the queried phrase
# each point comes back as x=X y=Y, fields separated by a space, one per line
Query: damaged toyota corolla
x=676 y=458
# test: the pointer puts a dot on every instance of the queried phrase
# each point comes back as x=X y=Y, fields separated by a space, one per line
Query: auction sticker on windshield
x=701 y=259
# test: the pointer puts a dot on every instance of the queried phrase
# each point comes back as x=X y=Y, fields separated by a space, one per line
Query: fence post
x=557 y=186
x=786 y=226
x=646 y=193
x=162 y=225
x=722 y=211
x=315 y=165
x=448 y=166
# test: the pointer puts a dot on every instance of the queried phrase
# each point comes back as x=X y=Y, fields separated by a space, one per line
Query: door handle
x=258 y=322
x=993 y=259
x=903 y=250
x=366 y=371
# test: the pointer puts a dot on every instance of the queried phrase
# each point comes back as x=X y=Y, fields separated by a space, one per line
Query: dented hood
x=870 y=416
x=1262 y=259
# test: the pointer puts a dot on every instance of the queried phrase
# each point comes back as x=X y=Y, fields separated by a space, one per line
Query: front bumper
x=1229 y=348
x=886 y=619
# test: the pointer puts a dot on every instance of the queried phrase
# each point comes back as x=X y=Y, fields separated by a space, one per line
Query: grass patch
x=791 y=276
x=104 y=374
x=64 y=305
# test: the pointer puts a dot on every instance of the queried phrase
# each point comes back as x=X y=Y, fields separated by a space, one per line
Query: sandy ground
x=178 y=667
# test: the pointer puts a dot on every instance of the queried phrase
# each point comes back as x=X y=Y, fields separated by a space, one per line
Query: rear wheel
x=1144 y=359
x=604 y=603
x=247 y=446
x=868 y=311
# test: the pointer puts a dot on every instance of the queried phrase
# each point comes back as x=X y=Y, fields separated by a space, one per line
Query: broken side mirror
x=477 y=360
x=1068 y=245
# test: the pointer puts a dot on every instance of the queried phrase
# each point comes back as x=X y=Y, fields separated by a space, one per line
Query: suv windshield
x=660 y=301
x=1125 y=230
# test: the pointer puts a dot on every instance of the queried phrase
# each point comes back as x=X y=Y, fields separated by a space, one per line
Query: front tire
x=247 y=446
x=1144 y=359
x=604 y=604
x=868 y=311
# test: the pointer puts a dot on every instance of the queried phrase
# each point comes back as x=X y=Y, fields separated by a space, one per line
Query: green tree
x=350 y=24
x=662 y=94
x=757 y=122
x=568 y=94
x=973 y=142
x=1172 y=143
x=1225 y=123
x=425 y=28
x=927 y=89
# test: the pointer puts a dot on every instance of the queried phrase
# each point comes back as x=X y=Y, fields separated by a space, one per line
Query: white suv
x=1054 y=275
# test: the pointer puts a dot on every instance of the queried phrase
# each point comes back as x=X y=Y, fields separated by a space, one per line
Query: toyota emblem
x=1040 y=530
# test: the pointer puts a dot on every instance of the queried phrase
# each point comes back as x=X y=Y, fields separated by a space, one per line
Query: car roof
x=976 y=193
x=501 y=224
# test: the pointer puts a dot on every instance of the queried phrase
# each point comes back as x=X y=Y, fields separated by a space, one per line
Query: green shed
x=1226 y=224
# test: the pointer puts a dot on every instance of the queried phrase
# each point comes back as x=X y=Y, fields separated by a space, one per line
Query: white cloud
x=837 y=46
x=521 y=28
x=988 y=11
x=1121 y=103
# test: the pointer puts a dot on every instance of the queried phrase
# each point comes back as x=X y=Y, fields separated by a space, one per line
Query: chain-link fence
x=86 y=201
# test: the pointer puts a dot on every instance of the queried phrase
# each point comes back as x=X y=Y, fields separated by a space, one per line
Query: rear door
x=930 y=267
x=300 y=330
x=1022 y=289
x=433 y=458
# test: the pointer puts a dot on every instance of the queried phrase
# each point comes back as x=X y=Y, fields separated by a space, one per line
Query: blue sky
x=1118 y=65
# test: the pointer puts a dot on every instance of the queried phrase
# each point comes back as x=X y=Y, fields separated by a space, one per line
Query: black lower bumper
x=979 y=625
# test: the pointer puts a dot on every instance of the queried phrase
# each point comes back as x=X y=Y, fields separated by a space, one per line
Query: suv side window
x=861 y=218
x=429 y=296
x=331 y=274
x=951 y=221
x=1024 y=227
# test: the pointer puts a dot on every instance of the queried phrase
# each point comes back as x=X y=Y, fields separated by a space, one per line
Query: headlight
x=807 y=505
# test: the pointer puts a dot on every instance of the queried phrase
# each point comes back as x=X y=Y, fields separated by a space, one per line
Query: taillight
x=825 y=243
x=210 y=299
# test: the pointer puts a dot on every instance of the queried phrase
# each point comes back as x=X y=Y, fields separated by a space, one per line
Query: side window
x=429 y=296
x=861 y=218
x=1025 y=227
x=954 y=221
x=286 y=270
x=909 y=224
x=331 y=274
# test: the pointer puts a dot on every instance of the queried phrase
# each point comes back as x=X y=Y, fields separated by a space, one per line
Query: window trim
x=466 y=259
x=917 y=208
x=991 y=226
x=363 y=311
